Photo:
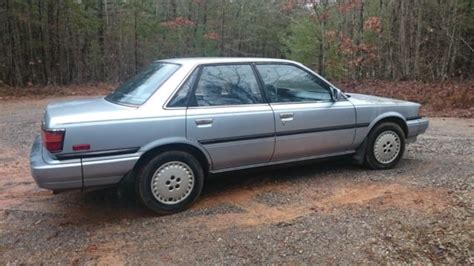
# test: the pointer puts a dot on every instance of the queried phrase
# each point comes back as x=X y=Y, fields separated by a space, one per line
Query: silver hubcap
x=387 y=147
x=172 y=182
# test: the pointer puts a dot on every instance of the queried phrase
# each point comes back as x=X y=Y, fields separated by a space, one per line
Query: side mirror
x=336 y=94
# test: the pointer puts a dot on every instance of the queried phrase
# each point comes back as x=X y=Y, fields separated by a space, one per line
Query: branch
x=467 y=44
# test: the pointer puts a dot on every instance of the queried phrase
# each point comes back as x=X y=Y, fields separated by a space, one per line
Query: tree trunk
x=359 y=38
x=174 y=10
x=418 y=38
x=136 y=39
x=44 y=45
x=402 y=36
x=15 y=58
x=101 y=39
x=221 y=46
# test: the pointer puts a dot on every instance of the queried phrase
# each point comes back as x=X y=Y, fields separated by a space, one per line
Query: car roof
x=216 y=60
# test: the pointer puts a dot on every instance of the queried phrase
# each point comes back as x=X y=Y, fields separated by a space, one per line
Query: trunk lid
x=83 y=111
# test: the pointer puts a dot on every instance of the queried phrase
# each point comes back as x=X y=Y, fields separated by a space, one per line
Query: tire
x=385 y=146
x=178 y=179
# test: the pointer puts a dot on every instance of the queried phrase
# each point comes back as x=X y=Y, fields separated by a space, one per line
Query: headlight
x=421 y=111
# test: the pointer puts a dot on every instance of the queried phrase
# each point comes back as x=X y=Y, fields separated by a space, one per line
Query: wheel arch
x=393 y=117
x=153 y=149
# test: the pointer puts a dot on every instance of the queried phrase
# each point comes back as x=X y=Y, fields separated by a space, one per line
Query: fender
x=175 y=140
x=383 y=116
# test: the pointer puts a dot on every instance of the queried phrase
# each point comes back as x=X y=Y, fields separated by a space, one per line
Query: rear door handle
x=204 y=122
x=286 y=116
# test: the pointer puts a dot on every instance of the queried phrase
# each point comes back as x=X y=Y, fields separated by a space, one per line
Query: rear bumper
x=416 y=127
x=53 y=174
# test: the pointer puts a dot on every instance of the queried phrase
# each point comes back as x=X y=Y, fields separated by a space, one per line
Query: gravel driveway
x=328 y=212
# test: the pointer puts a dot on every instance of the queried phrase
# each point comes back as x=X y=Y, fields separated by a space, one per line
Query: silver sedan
x=180 y=120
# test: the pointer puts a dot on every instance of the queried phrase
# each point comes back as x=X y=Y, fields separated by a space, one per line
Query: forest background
x=412 y=49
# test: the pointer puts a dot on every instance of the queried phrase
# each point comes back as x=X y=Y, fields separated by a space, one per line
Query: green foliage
x=302 y=41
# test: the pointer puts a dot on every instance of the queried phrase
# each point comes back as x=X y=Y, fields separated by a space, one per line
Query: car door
x=227 y=115
x=308 y=122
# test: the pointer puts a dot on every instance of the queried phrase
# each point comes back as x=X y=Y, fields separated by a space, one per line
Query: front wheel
x=170 y=182
x=386 y=145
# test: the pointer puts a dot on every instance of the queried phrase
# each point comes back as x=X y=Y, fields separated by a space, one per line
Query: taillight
x=53 y=140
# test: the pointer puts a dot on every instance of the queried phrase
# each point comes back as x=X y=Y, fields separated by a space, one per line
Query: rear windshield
x=138 y=89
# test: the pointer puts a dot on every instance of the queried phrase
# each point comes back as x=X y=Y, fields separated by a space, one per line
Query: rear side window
x=142 y=86
x=226 y=85
x=288 y=83
x=180 y=99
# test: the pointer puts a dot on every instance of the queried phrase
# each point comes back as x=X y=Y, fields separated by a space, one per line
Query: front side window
x=288 y=83
x=142 y=86
x=226 y=85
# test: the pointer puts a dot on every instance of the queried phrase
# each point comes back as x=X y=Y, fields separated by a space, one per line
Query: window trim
x=301 y=68
x=179 y=87
x=260 y=84
x=198 y=78
x=253 y=64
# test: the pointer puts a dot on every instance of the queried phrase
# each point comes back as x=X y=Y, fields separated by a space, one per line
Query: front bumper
x=53 y=174
x=416 y=127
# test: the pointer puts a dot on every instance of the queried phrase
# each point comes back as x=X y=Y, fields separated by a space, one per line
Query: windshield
x=138 y=89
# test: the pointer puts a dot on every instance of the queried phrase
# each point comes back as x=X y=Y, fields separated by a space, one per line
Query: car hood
x=363 y=99
x=84 y=110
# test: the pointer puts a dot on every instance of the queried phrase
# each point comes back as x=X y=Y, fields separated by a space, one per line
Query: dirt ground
x=329 y=212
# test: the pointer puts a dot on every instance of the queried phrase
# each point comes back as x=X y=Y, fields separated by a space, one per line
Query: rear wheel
x=170 y=182
x=386 y=145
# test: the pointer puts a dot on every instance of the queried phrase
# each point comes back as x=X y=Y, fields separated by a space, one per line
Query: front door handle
x=204 y=122
x=286 y=116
